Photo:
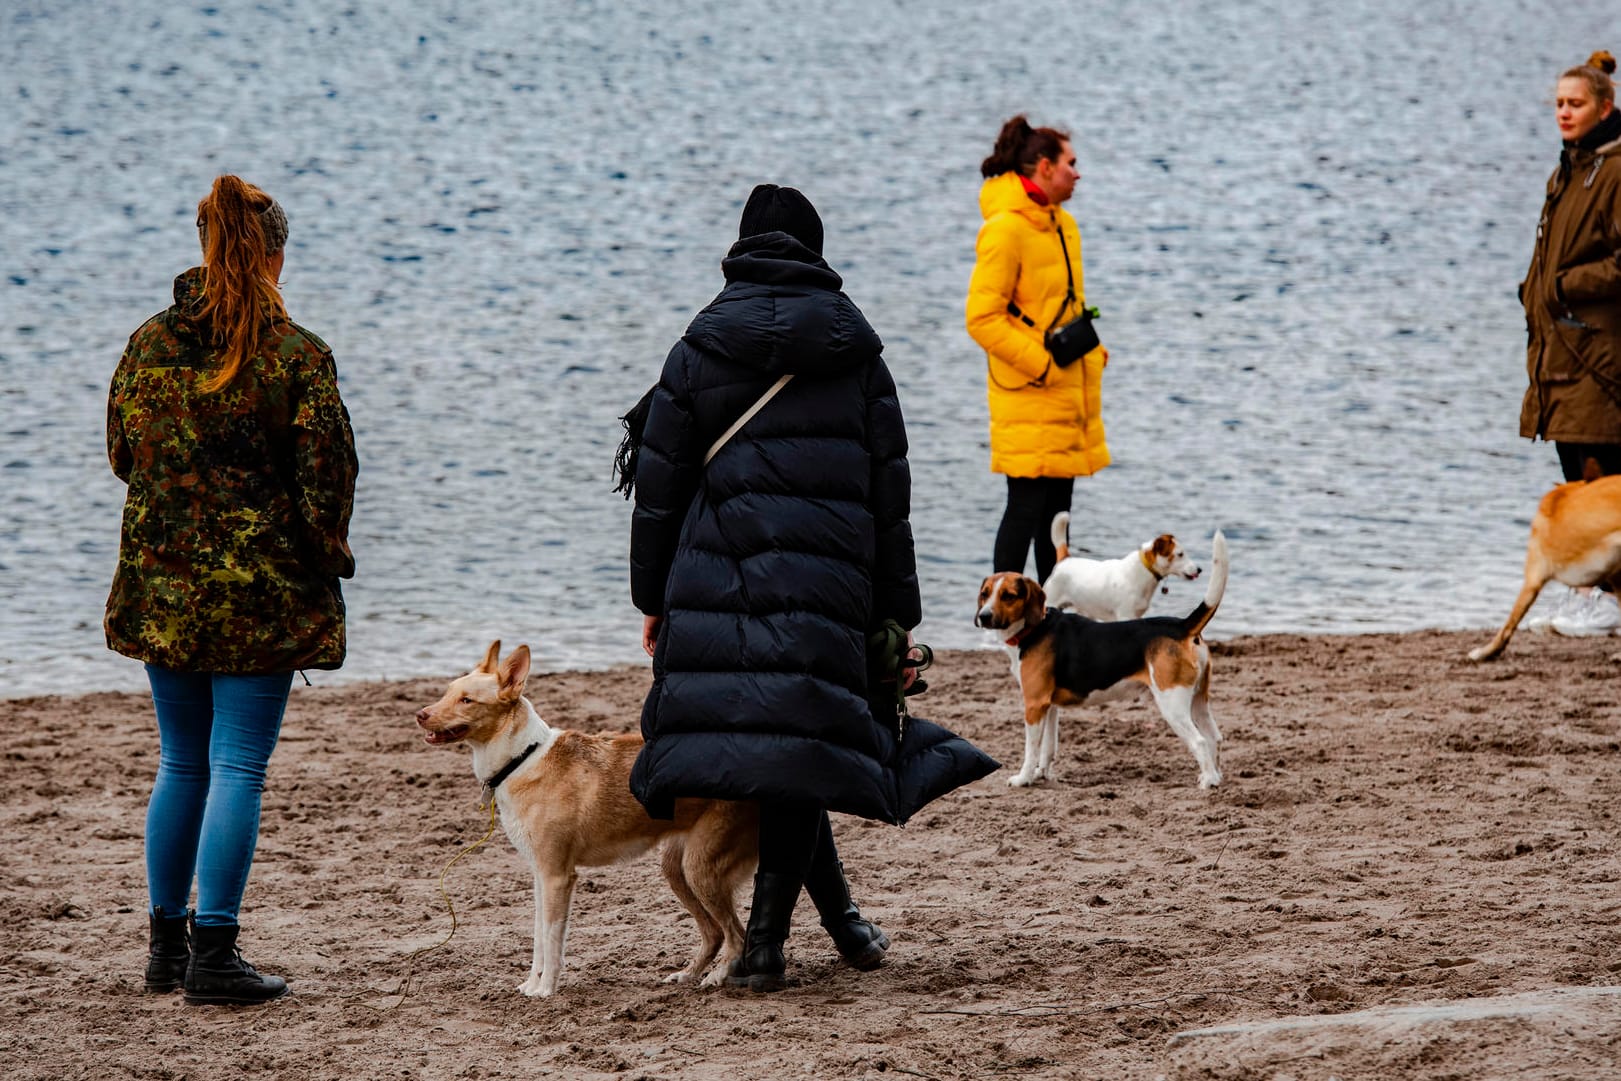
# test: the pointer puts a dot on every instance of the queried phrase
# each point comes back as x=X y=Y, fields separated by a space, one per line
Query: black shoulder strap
x=1069 y=290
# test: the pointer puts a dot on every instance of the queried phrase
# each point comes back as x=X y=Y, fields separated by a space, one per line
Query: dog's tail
x=1060 y=534
x=1196 y=619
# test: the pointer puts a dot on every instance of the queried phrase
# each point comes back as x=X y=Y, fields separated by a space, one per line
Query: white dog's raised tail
x=1060 y=535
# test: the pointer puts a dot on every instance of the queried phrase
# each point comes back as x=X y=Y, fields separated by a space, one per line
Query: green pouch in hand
x=887 y=658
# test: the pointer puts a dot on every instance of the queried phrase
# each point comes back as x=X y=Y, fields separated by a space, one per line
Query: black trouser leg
x=1573 y=458
x=1032 y=502
x=788 y=836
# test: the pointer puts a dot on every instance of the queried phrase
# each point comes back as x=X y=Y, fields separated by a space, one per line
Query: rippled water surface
x=1304 y=222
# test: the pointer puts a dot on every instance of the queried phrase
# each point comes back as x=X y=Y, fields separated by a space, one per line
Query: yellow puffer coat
x=1046 y=421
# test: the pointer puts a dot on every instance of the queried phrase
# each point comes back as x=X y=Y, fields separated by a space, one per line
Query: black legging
x=1031 y=504
x=1573 y=456
x=791 y=836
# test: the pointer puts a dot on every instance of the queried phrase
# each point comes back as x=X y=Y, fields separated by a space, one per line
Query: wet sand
x=1397 y=826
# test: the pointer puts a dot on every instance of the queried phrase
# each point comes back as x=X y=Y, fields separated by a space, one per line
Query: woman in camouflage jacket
x=224 y=420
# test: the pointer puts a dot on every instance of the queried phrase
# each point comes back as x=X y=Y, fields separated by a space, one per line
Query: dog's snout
x=424 y=715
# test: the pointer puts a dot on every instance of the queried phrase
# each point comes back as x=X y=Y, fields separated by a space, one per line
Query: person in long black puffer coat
x=762 y=575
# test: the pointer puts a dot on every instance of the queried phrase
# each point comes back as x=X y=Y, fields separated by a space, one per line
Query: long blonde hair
x=240 y=295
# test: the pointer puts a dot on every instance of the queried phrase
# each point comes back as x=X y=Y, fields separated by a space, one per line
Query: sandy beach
x=1397 y=826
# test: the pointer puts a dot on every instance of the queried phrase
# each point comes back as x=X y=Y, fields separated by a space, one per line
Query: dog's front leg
x=1030 y=772
x=559 y=896
x=553 y=894
x=1049 y=745
x=532 y=986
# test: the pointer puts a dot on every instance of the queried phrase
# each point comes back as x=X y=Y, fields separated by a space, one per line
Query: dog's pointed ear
x=514 y=671
x=491 y=657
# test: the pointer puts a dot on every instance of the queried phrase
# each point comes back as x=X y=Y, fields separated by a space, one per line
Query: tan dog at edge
x=1576 y=538
x=567 y=804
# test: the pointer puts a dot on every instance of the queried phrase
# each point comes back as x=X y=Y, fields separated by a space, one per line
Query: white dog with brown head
x=1113 y=588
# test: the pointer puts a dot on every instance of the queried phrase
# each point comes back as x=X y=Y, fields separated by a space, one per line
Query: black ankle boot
x=168 y=950
x=860 y=941
x=763 y=966
x=218 y=974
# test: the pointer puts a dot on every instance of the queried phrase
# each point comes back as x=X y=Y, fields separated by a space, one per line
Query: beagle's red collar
x=1029 y=634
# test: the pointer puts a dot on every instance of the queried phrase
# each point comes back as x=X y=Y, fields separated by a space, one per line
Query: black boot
x=860 y=941
x=218 y=974
x=168 y=951
x=763 y=966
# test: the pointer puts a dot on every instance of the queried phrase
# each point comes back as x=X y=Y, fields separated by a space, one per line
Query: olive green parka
x=236 y=520
x=1572 y=297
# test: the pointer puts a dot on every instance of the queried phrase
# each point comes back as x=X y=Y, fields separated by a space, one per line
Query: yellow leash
x=410 y=962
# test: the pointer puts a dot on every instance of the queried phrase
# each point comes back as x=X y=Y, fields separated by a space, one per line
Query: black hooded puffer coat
x=773 y=564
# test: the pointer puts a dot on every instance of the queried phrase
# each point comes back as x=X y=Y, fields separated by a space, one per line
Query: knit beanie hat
x=272 y=219
x=771 y=209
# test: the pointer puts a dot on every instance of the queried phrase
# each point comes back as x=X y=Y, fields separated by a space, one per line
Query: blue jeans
x=216 y=733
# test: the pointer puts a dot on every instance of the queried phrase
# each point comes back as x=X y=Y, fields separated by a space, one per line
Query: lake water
x=1304 y=222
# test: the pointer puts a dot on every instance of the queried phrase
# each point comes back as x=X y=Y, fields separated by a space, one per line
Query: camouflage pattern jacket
x=236 y=523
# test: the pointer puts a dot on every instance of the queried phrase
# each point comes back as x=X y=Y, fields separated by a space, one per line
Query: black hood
x=1605 y=131
x=782 y=311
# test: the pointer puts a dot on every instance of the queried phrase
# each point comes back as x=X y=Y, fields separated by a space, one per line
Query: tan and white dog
x=1113 y=588
x=1065 y=659
x=565 y=803
x=1576 y=538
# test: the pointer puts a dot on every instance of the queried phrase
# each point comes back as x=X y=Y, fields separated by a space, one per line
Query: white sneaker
x=1599 y=616
x=1568 y=605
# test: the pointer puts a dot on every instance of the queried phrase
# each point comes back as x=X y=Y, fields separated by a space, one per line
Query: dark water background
x=1304 y=223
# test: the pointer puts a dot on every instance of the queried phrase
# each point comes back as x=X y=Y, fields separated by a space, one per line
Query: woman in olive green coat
x=1572 y=299
x=224 y=420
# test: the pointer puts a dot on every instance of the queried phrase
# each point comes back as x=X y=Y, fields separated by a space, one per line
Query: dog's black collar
x=507 y=770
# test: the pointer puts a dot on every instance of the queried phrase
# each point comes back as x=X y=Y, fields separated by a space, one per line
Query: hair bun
x=1603 y=61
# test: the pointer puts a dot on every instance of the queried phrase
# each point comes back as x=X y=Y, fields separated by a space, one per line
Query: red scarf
x=1033 y=191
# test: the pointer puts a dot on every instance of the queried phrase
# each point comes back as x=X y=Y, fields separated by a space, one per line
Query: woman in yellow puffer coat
x=1046 y=421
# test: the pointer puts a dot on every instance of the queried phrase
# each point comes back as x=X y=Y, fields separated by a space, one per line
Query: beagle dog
x=1065 y=659
x=1113 y=588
